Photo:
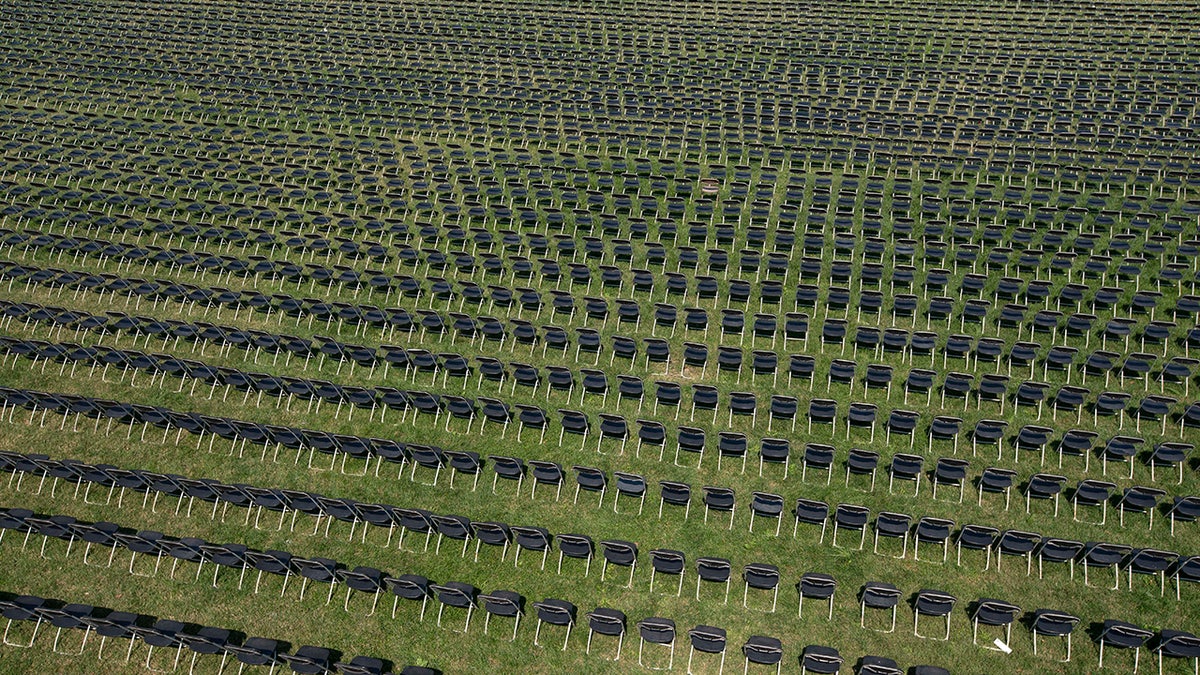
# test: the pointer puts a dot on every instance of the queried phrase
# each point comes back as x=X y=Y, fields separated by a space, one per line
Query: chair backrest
x=811 y=511
x=674 y=492
x=657 y=630
x=708 y=639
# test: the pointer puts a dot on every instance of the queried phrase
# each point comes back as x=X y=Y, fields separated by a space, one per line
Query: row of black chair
x=993 y=387
x=604 y=621
x=947 y=472
x=1103 y=299
x=934 y=531
x=977 y=310
x=1136 y=366
x=457 y=595
x=743 y=404
x=34 y=612
x=936 y=280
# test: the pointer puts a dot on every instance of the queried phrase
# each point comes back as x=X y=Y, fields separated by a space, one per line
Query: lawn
x=308 y=152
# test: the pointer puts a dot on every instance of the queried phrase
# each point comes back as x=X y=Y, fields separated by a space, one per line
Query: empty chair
x=932 y=603
x=775 y=451
x=821 y=411
x=932 y=530
x=533 y=417
x=536 y=539
x=1111 y=403
x=949 y=471
x=1187 y=568
x=667 y=561
x=945 y=427
x=719 y=499
x=464 y=463
x=574 y=422
x=409 y=587
x=993 y=388
x=707 y=640
x=919 y=380
x=743 y=403
x=651 y=433
x=1120 y=449
x=690 y=439
x=676 y=494
x=763 y=650
x=862 y=463
x=783 y=407
x=165 y=633
x=1044 y=486
x=878 y=595
x=957 y=385
x=991 y=612
x=1101 y=555
x=851 y=517
x=554 y=612
x=906 y=467
x=509 y=468
x=1077 y=442
x=713 y=570
x=492 y=534
x=1150 y=562
x=592 y=480
x=879 y=375
x=977 y=538
x=731 y=444
x=820 y=660
x=546 y=473
x=23 y=608
x=457 y=595
x=1058 y=551
x=1139 y=499
x=893 y=526
x=614 y=427
x=820 y=457
x=989 y=432
x=659 y=631
x=1176 y=644
x=629 y=485
x=766 y=505
x=903 y=422
x=1053 y=623
x=1170 y=455
x=1017 y=543
x=452 y=527
x=811 y=512
x=1094 y=493
x=1184 y=510
x=608 y=622
x=577 y=546
x=878 y=665
x=761 y=576
x=428 y=457
x=254 y=651
x=631 y=387
x=1122 y=635
x=841 y=371
x=817 y=586
x=364 y=580
x=802 y=366
x=1031 y=437
x=619 y=553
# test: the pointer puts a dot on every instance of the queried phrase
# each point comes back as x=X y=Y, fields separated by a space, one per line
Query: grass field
x=258 y=148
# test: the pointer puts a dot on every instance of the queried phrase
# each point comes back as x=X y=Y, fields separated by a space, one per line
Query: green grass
x=501 y=89
x=423 y=643
x=793 y=557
